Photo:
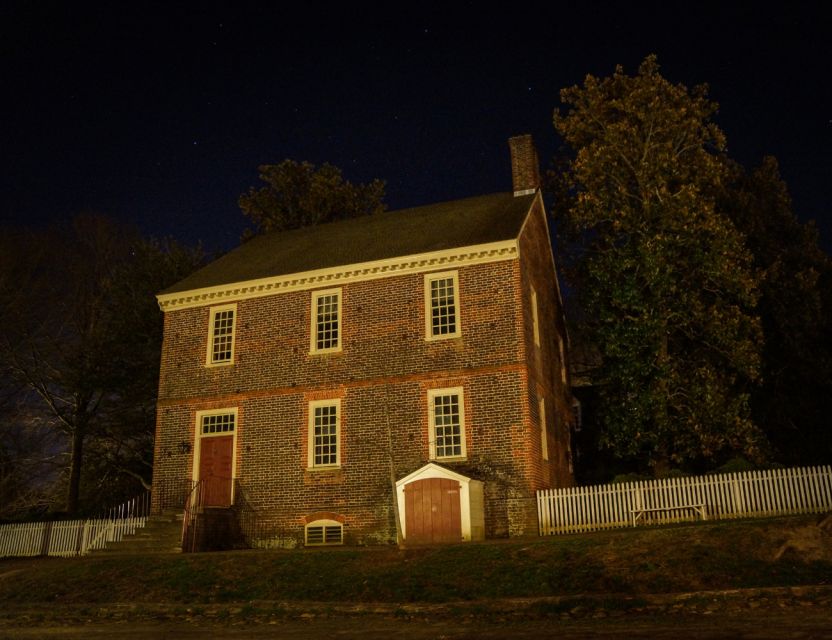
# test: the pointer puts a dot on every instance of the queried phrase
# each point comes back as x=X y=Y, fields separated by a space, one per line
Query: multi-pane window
x=218 y=423
x=442 y=305
x=447 y=423
x=221 y=335
x=324 y=532
x=544 y=440
x=326 y=320
x=324 y=420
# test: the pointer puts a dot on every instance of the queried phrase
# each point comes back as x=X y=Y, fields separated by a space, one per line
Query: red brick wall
x=537 y=271
x=382 y=376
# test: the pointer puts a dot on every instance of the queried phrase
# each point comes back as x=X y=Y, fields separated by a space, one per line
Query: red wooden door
x=432 y=511
x=215 y=456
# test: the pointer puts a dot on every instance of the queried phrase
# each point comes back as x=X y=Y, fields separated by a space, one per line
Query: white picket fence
x=73 y=537
x=714 y=497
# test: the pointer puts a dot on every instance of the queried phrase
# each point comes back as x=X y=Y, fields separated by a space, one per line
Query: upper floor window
x=326 y=321
x=562 y=354
x=324 y=433
x=535 y=324
x=221 y=335
x=447 y=423
x=442 y=305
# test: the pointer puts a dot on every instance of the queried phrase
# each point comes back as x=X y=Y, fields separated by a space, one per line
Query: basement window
x=324 y=532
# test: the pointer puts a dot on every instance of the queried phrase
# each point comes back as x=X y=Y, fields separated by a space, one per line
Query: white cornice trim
x=401 y=265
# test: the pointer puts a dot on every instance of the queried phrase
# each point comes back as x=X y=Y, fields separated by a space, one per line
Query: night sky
x=160 y=114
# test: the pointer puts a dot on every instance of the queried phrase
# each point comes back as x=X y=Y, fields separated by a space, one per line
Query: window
x=217 y=423
x=534 y=318
x=562 y=360
x=322 y=532
x=221 y=335
x=576 y=414
x=447 y=423
x=544 y=440
x=326 y=321
x=324 y=433
x=442 y=306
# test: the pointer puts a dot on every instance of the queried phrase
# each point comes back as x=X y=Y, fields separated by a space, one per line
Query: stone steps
x=161 y=534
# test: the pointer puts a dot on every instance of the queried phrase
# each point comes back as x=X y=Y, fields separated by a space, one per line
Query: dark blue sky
x=160 y=114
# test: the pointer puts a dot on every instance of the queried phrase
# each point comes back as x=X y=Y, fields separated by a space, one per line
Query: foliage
x=298 y=194
x=81 y=342
x=666 y=286
x=794 y=401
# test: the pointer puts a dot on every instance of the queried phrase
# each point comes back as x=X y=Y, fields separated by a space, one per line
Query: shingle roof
x=446 y=225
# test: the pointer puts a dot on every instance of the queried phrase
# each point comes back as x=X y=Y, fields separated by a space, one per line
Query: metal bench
x=700 y=508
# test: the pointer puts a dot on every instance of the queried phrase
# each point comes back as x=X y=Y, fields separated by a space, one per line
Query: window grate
x=324 y=534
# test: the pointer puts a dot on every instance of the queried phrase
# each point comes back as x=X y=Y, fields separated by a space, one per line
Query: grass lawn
x=725 y=555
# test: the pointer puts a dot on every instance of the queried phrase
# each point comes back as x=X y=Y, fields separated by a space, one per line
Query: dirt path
x=791 y=624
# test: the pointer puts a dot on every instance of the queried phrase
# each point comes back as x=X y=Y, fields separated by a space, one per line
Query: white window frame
x=198 y=436
x=544 y=439
x=209 y=350
x=535 y=323
x=313 y=404
x=313 y=321
x=562 y=353
x=432 y=394
x=324 y=524
x=430 y=277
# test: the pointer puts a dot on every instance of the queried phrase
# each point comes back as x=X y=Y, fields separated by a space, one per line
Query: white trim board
x=306 y=280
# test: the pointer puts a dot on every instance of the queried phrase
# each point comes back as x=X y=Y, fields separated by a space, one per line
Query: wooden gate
x=432 y=511
x=215 y=462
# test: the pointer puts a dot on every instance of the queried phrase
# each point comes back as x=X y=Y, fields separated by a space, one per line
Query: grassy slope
x=689 y=558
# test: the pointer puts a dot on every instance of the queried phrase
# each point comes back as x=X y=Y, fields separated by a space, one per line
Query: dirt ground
x=795 y=623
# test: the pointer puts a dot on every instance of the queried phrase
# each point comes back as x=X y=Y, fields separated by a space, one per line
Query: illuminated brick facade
x=381 y=375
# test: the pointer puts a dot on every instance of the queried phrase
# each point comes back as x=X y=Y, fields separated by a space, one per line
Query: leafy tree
x=666 y=286
x=794 y=400
x=81 y=337
x=298 y=194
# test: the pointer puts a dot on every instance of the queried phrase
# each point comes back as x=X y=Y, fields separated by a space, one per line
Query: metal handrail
x=189 y=520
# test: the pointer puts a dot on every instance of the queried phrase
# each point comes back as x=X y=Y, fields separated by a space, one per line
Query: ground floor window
x=446 y=414
x=324 y=433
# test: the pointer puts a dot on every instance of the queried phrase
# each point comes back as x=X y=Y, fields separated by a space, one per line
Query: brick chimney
x=525 y=168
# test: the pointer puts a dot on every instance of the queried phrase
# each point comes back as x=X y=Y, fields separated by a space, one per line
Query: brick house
x=396 y=375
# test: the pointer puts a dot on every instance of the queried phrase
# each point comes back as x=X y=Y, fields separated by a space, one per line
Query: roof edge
x=361 y=271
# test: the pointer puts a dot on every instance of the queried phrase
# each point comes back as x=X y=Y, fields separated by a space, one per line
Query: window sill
x=451 y=459
x=448 y=336
x=326 y=352
x=211 y=365
x=329 y=467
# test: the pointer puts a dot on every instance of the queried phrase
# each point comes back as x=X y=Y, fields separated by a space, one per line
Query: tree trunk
x=661 y=464
x=75 y=460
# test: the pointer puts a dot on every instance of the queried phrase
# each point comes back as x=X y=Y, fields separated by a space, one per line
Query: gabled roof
x=436 y=227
